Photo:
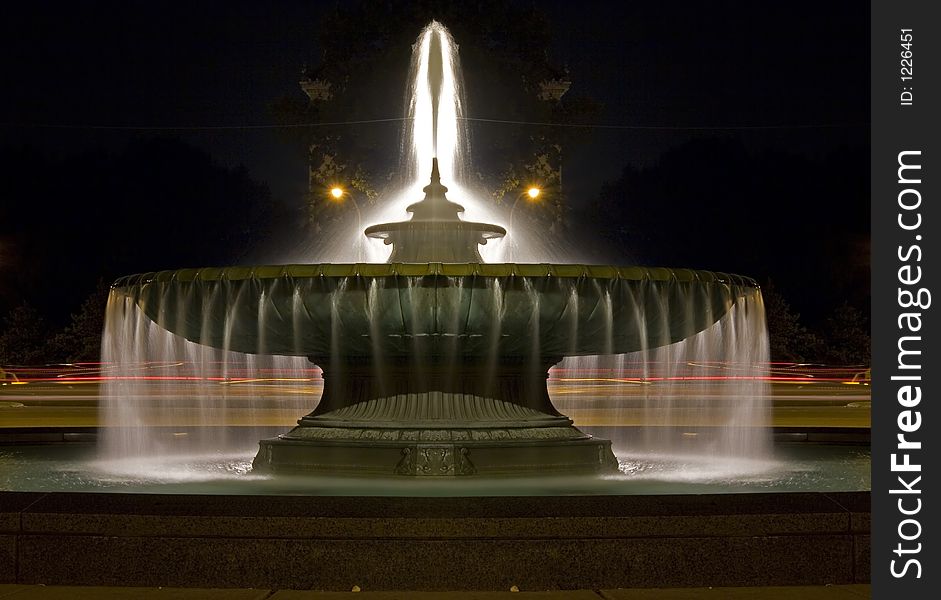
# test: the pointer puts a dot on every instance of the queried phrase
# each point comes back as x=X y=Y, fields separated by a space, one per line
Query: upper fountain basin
x=398 y=309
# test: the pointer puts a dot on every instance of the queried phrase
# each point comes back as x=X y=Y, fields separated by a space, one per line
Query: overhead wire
x=28 y=125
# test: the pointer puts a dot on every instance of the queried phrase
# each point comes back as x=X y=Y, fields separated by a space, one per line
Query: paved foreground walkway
x=39 y=592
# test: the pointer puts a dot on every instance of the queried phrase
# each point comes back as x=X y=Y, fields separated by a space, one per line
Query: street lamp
x=532 y=193
x=337 y=193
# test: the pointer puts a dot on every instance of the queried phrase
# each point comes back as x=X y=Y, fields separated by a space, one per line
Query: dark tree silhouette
x=713 y=204
x=158 y=204
x=24 y=337
x=847 y=337
x=789 y=339
x=80 y=340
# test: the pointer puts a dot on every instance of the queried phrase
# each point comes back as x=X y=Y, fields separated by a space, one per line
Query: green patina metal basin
x=471 y=310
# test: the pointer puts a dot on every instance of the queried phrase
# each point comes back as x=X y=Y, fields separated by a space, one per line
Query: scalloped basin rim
x=384 y=230
x=294 y=271
x=400 y=309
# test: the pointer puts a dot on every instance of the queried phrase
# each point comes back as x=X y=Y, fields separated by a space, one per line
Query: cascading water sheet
x=706 y=397
x=166 y=396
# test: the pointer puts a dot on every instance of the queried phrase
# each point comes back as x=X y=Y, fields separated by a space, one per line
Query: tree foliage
x=842 y=339
x=789 y=339
x=24 y=337
x=847 y=337
x=156 y=204
x=80 y=340
x=712 y=203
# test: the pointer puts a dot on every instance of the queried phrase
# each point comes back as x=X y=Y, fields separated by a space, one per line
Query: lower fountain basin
x=435 y=369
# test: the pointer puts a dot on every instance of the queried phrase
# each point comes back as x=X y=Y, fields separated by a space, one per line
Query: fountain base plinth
x=435 y=419
x=365 y=452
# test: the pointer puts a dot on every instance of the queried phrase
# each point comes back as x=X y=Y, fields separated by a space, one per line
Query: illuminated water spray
x=435 y=129
x=435 y=106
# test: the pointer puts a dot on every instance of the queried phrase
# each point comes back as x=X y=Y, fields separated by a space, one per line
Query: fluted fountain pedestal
x=435 y=418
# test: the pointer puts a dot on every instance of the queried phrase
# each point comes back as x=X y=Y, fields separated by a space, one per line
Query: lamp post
x=532 y=193
x=338 y=194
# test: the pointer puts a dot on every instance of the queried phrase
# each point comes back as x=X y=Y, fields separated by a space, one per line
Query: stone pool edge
x=334 y=543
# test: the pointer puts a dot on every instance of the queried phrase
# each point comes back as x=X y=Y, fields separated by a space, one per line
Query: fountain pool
x=798 y=467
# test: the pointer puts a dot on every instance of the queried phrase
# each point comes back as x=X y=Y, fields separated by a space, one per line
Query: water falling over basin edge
x=568 y=309
x=434 y=368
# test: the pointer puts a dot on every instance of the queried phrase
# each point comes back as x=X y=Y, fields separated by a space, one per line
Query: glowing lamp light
x=336 y=192
x=533 y=192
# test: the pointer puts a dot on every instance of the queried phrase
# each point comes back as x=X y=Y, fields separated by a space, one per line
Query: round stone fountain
x=435 y=367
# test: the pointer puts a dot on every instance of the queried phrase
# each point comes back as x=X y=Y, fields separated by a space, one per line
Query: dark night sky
x=651 y=64
x=195 y=63
x=719 y=63
x=161 y=64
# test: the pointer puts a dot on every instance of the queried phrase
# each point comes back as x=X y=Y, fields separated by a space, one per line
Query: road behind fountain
x=805 y=398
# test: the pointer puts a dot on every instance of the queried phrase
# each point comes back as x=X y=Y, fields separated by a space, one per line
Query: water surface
x=799 y=467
